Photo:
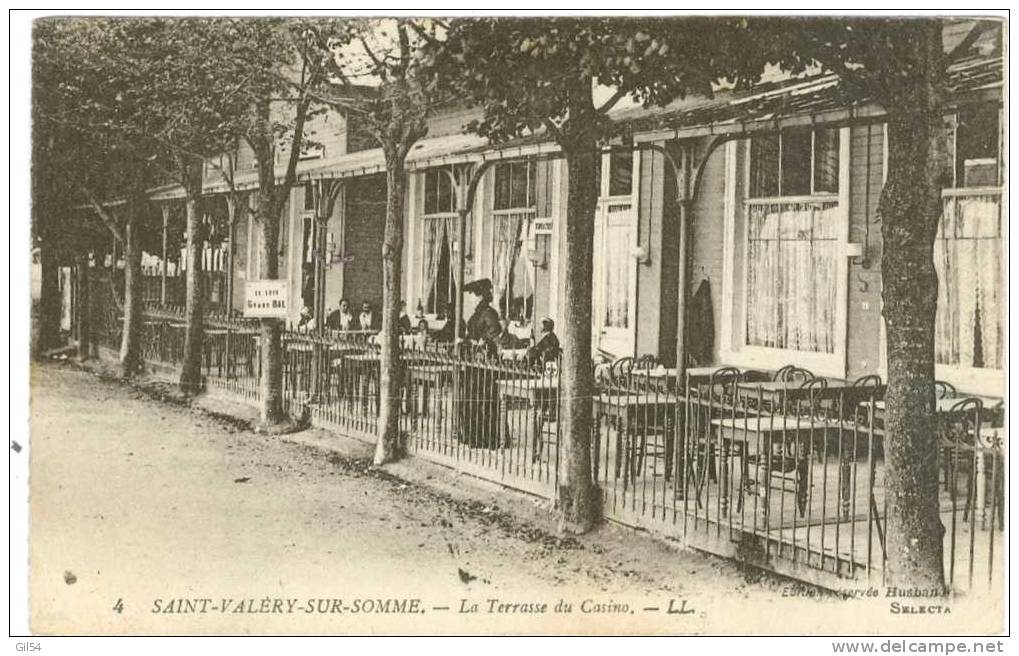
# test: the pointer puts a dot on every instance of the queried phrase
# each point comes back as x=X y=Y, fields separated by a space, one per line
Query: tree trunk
x=191 y=372
x=910 y=210
x=271 y=351
x=49 y=299
x=82 y=307
x=578 y=494
x=130 y=340
x=388 y=446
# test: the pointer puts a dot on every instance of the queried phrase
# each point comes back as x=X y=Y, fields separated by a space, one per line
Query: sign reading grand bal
x=268 y=299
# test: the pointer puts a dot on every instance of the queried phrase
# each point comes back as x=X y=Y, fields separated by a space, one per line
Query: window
x=439 y=196
x=514 y=185
x=977 y=134
x=441 y=230
x=791 y=270
x=967 y=257
x=617 y=267
x=795 y=162
x=514 y=204
x=438 y=286
x=620 y=173
x=968 y=337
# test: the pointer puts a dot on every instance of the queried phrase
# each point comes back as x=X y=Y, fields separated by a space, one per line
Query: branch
x=979 y=27
x=371 y=54
x=423 y=33
x=401 y=32
x=336 y=102
x=107 y=219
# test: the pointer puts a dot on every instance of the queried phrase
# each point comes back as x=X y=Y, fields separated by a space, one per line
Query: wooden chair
x=944 y=390
x=966 y=445
x=794 y=374
x=621 y=369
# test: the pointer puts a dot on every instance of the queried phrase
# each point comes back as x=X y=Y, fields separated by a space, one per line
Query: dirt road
x=148 y=517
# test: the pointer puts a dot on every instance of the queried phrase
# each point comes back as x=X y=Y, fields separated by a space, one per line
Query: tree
x=409 y=87
x=78 y=155
x=143 y=95
x=901 y=64
x=281 y=64
x=557 y=65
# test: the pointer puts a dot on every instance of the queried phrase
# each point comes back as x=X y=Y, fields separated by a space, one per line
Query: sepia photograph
x=445 y=324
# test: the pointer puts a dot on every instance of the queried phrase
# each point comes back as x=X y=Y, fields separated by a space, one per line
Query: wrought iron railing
x=787 y=474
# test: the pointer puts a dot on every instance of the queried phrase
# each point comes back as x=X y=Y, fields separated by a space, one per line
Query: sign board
x=269 y=299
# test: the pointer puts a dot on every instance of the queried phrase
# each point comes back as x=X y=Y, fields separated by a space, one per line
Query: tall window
x=793 y=234
x=967 y=250
x=514 y=185
x=620 y=181
x=796 y=162
x=513 y=222
x=977 y=147
x=617 y=267
x=441 y=227
x=791 y=268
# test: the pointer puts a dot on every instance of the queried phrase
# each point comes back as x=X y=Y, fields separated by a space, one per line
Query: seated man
x=342 y=318
x=306 y=321
x=547 y=349
x=366 y=320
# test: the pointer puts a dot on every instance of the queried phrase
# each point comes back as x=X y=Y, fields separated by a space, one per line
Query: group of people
x=484 y=330
x=484 y=333
x=342 y=318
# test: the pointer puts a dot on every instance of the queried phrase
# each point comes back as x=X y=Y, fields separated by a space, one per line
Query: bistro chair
x=794 y=374
x=780 y=374
x=707 y=403
x=944 y=390
x=970 y=451
x=621 y=370
x=646 y=362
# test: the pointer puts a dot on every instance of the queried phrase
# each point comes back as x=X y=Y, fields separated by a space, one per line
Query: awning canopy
x=769 y=106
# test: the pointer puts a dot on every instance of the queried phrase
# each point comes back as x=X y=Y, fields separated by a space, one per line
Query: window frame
x=813 y=194
x=437 y=216
x=618 y=341
x=965 y=379
x=733 y=347
x=976 y=379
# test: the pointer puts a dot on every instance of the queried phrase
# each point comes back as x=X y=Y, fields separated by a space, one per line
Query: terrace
x=780 y=468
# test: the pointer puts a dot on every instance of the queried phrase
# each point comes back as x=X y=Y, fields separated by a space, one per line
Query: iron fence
x=782 y=470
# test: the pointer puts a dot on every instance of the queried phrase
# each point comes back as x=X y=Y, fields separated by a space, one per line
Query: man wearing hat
x=547 y=349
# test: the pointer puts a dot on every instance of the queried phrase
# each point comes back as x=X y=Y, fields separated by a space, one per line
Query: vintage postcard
x=518 y=325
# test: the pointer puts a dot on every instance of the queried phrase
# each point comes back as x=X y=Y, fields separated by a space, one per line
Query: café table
x=538 y=395
x=987 y=411
x=633 y=415
x=756 y=437
x=513 y=354
x=427 y=377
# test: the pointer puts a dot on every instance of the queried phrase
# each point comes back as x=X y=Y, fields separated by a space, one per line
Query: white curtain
x=967 y=257
x=616 y=262
x=791 y=267
x=508 y=238
x=435 y=239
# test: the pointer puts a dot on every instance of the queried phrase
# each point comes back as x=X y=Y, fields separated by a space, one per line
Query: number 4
x=119 y=606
